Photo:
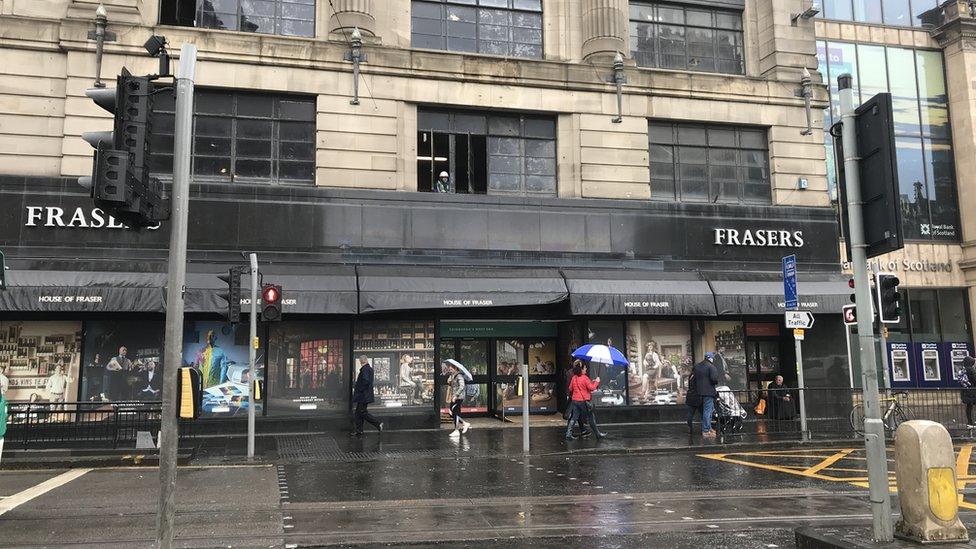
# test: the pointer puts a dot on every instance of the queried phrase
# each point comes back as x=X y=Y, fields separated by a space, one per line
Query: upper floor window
x=284 y=17
x=499 y=27
x=486 y=153
x=241 y=137
x=923 y=146
x=690 y=38
x=709 y=163
x=901 y=13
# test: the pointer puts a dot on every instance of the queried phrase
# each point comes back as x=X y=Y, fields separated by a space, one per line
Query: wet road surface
x=440 y=494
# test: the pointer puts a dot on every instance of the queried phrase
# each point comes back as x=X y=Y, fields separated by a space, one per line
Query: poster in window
x=660 y=354
x=220 y=354
x=402 y=355
x=613 y=378
x=727 y=340
x=306 y=367
x=123 y=361
x=40 y=362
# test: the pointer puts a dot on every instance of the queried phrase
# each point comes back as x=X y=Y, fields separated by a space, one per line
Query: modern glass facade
x=916 y=80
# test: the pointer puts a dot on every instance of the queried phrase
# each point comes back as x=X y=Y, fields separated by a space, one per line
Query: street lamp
x=100 y=35
x=356 y=56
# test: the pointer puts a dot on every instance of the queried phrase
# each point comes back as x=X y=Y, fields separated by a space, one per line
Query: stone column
x=350 y=14
x=956 y=34
x=604 y=29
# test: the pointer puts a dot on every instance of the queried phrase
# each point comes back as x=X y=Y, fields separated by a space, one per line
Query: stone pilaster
x=956 y=34
x=350 y=14
x=605 y=29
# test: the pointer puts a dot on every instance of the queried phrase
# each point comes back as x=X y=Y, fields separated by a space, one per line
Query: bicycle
x=893 y=415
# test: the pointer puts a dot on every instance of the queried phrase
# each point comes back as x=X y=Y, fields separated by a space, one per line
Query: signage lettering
x=908 y=265
x=647 y=304
x=468 y=302
x=79 y=218
x=763 y=238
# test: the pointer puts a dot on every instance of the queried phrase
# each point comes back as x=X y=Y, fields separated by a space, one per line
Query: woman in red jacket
x=580 y=389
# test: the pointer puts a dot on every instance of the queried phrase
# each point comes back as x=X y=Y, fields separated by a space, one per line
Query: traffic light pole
x=874 y=438
x=180 y=197
x=251 y=357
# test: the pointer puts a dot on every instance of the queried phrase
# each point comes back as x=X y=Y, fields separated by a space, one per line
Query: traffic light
x=188 y=395
x=850 y=284
x=120 y=183
x=271 y=298
x=850 y=314
x=878 y=170
x=889 y=299
x=233 y=293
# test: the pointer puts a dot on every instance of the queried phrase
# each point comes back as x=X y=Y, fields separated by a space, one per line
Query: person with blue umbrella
x=581 y=386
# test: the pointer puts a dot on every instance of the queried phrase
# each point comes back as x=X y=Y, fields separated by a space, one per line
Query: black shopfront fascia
x=313 y=234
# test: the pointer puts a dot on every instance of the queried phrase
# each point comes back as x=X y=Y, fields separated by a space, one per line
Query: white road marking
x=11 y=502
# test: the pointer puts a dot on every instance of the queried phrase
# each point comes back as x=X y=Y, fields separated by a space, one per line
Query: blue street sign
x=789 y=282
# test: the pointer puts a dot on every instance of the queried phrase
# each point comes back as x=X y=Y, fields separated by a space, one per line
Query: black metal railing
x=838 y=411
x=65 y=424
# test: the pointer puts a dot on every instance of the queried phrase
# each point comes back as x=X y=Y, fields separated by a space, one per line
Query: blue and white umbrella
x=600 y=354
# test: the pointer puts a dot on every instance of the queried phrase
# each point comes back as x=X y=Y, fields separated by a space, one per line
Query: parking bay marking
x=829 y=457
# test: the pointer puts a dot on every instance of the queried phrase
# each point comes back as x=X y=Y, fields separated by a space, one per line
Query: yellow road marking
x=827 y=462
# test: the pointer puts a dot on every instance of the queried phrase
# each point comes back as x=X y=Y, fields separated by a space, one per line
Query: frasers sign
x=763 y=238
x=79 y=218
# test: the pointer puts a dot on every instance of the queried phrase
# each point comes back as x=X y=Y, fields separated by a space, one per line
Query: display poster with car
x=220 y=354
x=123 y=360
x=307 y=367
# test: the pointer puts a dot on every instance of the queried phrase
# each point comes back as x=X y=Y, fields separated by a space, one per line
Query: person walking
x=968 y=393
x=580 y=389
x=362 y=397
x=455 y=388
x=705 y=379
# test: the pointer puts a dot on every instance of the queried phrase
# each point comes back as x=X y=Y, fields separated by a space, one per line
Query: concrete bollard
x=926 y=473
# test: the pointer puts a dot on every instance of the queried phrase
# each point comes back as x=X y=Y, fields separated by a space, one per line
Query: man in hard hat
x=443 y=184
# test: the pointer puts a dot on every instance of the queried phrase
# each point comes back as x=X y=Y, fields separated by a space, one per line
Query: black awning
x=405 y=288
x=83 y=291
x=762 y=293
x=638 y=293
x=325 y=290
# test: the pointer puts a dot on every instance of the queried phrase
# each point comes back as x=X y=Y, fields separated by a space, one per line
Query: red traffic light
x=850 y=283
x=271 y=295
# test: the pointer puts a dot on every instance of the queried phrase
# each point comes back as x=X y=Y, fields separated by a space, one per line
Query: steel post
x=176 y=285
x=874 y=436
x=251 y=356
x=525 y=408
x=799 y=378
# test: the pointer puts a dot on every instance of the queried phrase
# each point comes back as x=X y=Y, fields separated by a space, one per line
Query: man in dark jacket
x=362 y=396
x=706 y=378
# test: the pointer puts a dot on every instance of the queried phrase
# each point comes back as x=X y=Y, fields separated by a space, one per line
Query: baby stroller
x=728 y=413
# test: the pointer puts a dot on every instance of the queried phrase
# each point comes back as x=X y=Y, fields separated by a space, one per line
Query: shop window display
x=613 y=379
x=402 y=355
x=510 y=354
x=220 y=354
x=727 y=340
x=40 y=362
x=307 y=367
x=123 y=361
x=660 y=357
x=473 y=355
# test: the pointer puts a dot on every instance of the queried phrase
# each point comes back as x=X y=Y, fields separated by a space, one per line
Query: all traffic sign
x=799 y=320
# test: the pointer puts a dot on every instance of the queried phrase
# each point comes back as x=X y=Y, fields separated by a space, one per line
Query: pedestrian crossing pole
x=176 y=286
x=874 y=436
x=525 y=407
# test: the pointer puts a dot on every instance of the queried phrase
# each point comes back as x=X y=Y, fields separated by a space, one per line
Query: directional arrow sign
x=799 y=319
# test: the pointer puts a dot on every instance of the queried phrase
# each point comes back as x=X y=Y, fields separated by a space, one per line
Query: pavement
x=643 y=487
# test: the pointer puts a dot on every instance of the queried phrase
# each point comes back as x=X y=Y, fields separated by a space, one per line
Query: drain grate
x=325 y=448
